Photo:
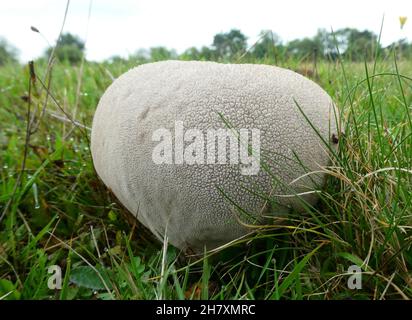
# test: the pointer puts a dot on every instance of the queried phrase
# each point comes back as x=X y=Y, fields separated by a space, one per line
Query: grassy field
x=55 y=211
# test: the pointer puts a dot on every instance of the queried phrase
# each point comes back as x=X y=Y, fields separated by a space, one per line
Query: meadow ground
x=55 y=211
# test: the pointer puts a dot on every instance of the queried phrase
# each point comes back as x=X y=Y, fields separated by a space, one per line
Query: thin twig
x=47 y=76
x=80 y=74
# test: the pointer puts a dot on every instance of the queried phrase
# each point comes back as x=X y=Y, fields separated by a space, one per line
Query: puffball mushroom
x=155 y=124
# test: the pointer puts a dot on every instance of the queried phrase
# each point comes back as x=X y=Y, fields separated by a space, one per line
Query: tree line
x=347 y=43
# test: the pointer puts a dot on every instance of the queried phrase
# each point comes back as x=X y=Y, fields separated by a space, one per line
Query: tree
x=361 y=44
x=401 y=48
x=207 y=54
x=161 y=53
x=357 y=45
x=307 y=48
x=267 y=46
x=303 y=48
x=227 y=45
x=70 y=48
x=191 y=53
x=116 y=59
x=204 y=54
x=8 y=54
x=140 y=56
x=327 y=44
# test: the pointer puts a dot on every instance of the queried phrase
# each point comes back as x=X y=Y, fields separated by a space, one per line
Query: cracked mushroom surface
x=197 y=202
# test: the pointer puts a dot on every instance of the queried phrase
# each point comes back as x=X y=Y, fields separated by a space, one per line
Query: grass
x=57 y=212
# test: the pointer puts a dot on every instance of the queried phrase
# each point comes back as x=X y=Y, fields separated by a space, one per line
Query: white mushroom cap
x=186 y=198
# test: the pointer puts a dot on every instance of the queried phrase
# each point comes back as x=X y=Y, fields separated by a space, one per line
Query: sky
x=121 y=27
